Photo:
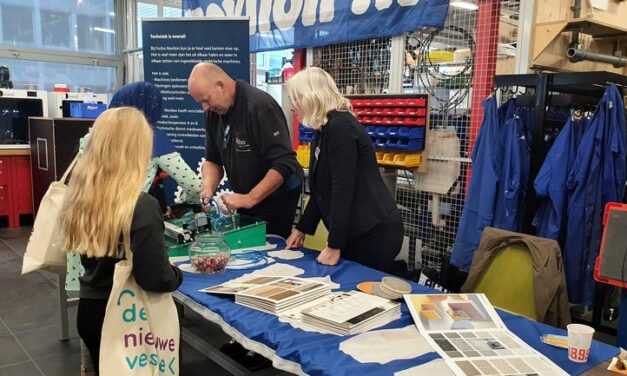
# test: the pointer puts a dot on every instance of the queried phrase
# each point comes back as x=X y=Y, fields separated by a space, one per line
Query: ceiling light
x=464 y=5
x=111 y=31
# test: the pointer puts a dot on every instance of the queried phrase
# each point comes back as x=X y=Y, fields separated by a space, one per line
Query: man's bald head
x=211 y=87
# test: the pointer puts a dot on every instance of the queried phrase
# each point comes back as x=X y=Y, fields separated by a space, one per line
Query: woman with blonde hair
x=106 y=213
x=347 y=191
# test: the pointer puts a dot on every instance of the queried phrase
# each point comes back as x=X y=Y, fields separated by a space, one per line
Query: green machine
x=238 y=231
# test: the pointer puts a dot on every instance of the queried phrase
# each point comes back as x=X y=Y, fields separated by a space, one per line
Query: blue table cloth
x=319 y=354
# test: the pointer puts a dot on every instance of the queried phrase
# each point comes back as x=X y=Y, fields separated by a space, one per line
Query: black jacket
x=347 y=191
x=251 y=139
x=151 y=268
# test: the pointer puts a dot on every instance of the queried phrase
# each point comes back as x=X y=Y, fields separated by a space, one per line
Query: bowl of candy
x=209 y=254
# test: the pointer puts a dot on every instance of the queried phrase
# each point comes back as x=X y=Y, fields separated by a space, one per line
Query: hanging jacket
x=596 y=177
x=550 y=296
x=550 y=184
x=513 y=174
x=500 y=175
x=481 y=195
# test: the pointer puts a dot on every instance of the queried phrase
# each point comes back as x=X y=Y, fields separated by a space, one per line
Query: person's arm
x=211 y=176
x=270 y=183
x=151 y=267
x=178 y=170
x=308 y=223
x=272 y=139
x=342 y=148
x=212 y=170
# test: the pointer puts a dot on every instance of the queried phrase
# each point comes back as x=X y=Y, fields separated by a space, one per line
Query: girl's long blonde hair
x=106 y=183
x=315 y=94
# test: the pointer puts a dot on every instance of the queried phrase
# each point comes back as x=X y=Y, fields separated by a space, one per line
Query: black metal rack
x=588 y=87
x=583 y=87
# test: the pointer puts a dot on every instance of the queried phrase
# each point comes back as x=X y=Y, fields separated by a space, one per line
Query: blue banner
x=281 y=24
x=171 y=49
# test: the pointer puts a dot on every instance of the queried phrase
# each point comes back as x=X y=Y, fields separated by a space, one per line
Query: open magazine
x=351 y=312
x=468 y=333
x=271 y=294
x=311 y=302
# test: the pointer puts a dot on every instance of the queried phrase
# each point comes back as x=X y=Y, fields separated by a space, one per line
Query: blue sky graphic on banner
x=171 y=49
x=281 y=24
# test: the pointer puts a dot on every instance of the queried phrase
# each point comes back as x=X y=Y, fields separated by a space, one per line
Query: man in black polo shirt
x=247 y=136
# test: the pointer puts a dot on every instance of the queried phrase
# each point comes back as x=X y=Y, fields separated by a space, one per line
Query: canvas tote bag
x=140 y=333
x=45 y=246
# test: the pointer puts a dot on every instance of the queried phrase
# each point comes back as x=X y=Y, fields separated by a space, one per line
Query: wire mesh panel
x=361 y=67
x=442 y=64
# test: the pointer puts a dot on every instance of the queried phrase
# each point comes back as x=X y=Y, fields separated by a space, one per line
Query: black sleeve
x=308 y=223
x=343 y=149
x=212 y=154
x=151 y=268
x=272 y=138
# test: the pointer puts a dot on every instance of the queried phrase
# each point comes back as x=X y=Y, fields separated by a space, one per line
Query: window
x=17 y=25
x=81 y=26
x=156 y=8
x=144 y=10
x=56 y=30
x=45 y=75
x=172 y=12
x=94 y=35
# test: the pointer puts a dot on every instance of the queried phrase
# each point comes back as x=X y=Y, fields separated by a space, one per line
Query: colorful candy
x=210 y=264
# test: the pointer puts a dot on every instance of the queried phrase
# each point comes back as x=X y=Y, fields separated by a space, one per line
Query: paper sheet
x=294 y=316
x=282 y=270
x=327 y=279
x=434 y=367
x=286 y=254
x=472 y=339
x=384 y=346
x=266 y=247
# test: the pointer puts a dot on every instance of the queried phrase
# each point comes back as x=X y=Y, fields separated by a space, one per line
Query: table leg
x=621 y=336
x=65 y=335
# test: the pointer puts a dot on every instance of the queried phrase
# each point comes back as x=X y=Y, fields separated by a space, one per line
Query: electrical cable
x=427 y=68
x=247 y=260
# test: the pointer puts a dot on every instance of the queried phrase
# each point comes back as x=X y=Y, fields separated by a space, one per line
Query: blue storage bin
x=86 y=110
x=411 y=133
x=410 y=145
x=381 y=131
x=392 y=132
x=391 y=144
x=371 y=130
x=306 y=137
x=380 y=143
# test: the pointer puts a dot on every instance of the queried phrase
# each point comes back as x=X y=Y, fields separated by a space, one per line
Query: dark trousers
x=378 y=247
x=278 y=212
x=89 y=320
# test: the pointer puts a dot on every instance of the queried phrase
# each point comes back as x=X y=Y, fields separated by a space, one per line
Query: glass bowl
x=209 y=254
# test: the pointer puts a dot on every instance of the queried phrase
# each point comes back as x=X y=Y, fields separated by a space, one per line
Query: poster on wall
x=171 y=48
x=283 y=24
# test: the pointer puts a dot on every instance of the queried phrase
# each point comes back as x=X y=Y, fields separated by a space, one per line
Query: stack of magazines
x=351 y=312
x=272 y=294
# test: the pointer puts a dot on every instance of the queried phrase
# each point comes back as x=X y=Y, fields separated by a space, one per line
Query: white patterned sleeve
x=185 y=177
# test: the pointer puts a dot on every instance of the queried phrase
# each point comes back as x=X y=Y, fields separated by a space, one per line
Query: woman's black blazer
x=347 y=191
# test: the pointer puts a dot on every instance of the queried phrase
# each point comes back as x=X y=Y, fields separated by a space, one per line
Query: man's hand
x=235 y=201
x=295 y=240
x=206 y=195
x=329 y=256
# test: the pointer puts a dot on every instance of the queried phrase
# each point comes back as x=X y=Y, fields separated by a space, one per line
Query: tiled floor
x=30 y=327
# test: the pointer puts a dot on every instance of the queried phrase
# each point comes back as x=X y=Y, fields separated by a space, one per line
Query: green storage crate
x=177 y=250
x=253 y=235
